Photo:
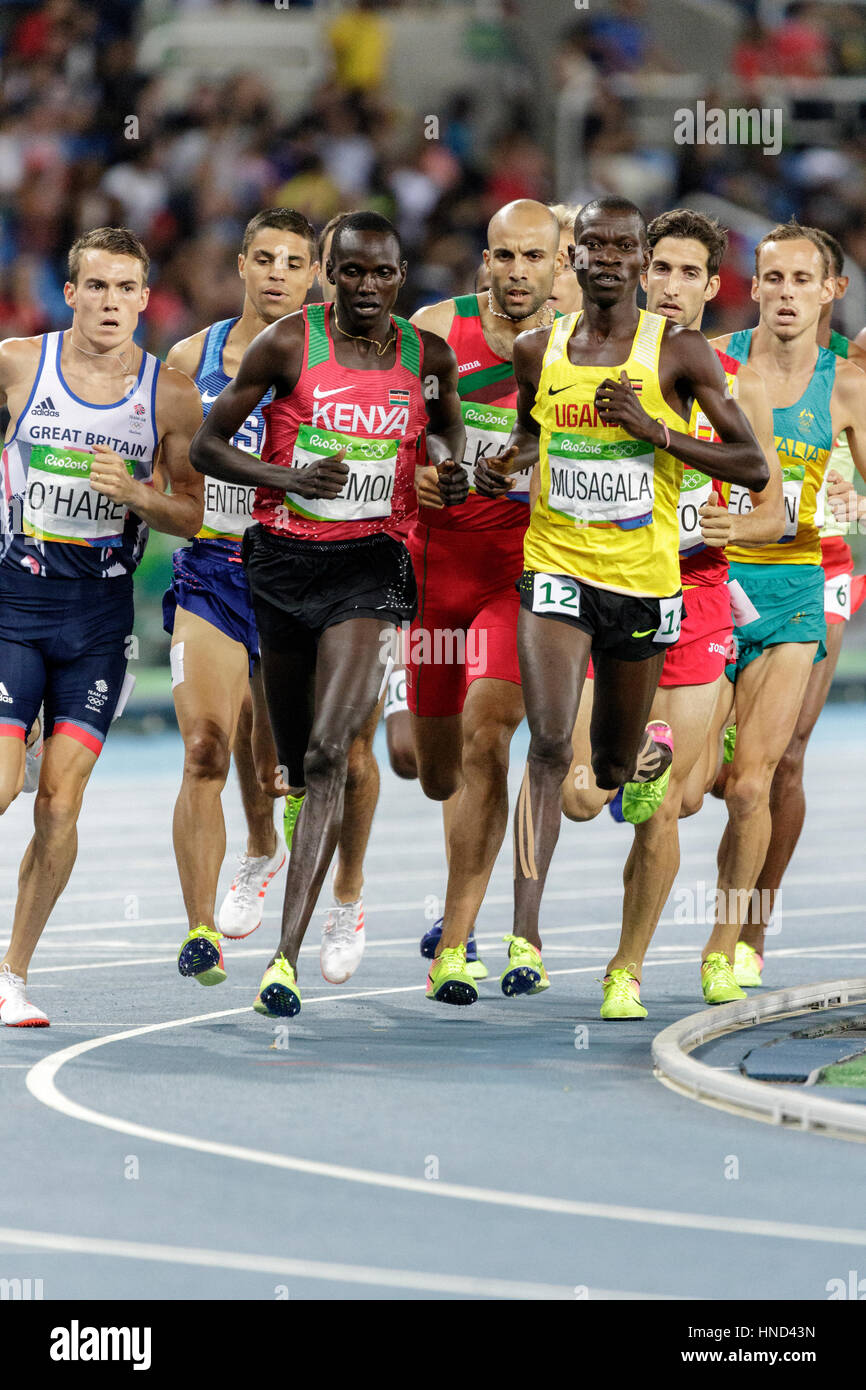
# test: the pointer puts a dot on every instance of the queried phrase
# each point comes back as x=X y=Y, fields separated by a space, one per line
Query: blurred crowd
x=86 y=138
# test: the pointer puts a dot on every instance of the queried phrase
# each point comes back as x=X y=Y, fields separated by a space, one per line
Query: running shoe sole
x=521 y=980
x=454 y=992
x=200 y=959
x=279 y=1001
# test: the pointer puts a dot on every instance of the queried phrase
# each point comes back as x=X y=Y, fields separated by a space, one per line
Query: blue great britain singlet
x=227 y=506
x=804 y=442
x=53 y=523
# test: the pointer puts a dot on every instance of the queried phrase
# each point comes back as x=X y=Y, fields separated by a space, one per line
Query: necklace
x=361 y=339
x=124 y=366
x=548 y=320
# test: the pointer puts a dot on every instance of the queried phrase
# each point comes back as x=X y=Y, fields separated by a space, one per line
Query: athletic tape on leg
x=175 y=657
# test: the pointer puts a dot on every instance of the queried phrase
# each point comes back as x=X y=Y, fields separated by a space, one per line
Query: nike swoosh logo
x=207 y=398
x=644 y=634
x=551 y=391
x=320 y=395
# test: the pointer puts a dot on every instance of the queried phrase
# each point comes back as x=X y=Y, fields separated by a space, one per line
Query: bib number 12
x=556 y=593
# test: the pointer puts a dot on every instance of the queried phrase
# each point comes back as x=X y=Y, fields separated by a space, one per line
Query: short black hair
x=612 y=203
x=685 y=222
x=326 y=230
x=364 y=222
x=282 y=220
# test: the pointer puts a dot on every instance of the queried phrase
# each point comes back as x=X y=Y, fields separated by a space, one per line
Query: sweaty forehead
x=609 y=226
x=273 y=240
x=366 y=248
x=791 y=255
x=107 y=265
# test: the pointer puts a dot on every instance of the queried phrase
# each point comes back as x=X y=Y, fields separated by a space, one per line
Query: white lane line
x=371 y=1275
x=40 y=1081
x=416 y=905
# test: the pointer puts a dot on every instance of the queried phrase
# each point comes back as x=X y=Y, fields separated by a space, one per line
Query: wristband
x=660 y=421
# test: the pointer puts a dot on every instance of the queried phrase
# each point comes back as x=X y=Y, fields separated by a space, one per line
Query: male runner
x=214 y=649
x=91 y=415
x=565 y=297
x=329 y=584
x=787 y=797
x=816 y=396
x=601 y=554
x=465 y=700
x=683 y=276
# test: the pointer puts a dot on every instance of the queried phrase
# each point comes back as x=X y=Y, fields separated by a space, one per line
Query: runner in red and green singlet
x=355 y=391
x=464 y=692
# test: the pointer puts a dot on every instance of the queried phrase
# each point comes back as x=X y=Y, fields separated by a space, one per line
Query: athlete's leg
x=257 y=791
x=12 y=760
x=50 y=856
x=624 y=692
x=398 y=727
x=582 y=798
x=706 y=767
x=553 y=661
x=438 y=741
x=348 y=680
x=770 y=693
x=359 y=808
x=787 y=798
x=207 y=714
x=654 y=859
x=492 y=712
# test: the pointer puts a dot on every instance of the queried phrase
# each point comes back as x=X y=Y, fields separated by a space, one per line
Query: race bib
x=369 y=488
x=670 y=619
x=60 y=504
x=555 y=593
x=228 y=510
x=837 y=596
x=487 y=430
x=598 y=484
x=695 y=490
x=395 y=699
x=793 y=477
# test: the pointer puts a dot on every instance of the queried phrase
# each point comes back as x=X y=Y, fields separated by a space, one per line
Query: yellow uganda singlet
x=607 y=510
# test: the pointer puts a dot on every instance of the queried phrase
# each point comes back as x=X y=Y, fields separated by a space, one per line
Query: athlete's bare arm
x=19 y=362
x=765 y=523
x=186 y=355
x=435 y=318
x=521 y=451
x=845 y=503
x=446 y=434
x=689 y=368
x=848 y=411
x=178 y=416
x=273 y=359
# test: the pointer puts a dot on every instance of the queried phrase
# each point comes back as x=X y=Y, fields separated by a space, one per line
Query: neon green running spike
x=449 y=981
x=201 y=956
x=278 y=995
x=717 y=980
x=621 y=995
x=477 y=969
x=748 y=964
x=526 y=973
x=290 y=816
x=640 y=800
x=730 y=743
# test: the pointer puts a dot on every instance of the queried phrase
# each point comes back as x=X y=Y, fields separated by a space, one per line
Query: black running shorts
x=302 y=587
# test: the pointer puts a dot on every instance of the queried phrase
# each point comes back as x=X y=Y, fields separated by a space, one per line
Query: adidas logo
x=4 y=695
x=45 y=407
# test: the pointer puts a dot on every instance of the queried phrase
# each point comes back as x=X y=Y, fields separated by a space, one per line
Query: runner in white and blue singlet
x=214 y=650
x=91 y=416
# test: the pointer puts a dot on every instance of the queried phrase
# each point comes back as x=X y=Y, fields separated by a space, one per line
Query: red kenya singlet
x=378 y=416
x=488 y=400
